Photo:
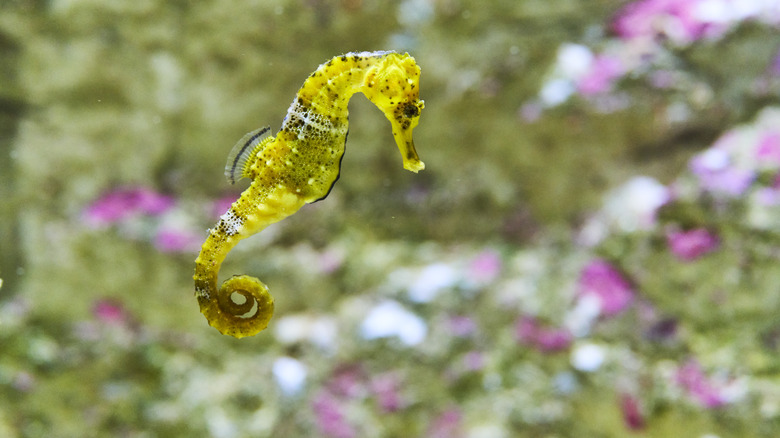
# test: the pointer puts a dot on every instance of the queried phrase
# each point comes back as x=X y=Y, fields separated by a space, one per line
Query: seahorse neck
x=322 y=101
x=330 y=87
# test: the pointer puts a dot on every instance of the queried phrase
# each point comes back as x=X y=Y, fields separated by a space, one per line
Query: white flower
x=290 y=375
x=588 y=357
x=319 y=330
x=574 y=60
x=220 y=425
x=556 y=91
x=389 y=318
x=581 y=318
x=714 y=159
x=633 y=206
x=431 y=280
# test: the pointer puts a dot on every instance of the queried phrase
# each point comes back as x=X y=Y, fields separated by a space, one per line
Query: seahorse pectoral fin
x=405 y=142
x=243 y=151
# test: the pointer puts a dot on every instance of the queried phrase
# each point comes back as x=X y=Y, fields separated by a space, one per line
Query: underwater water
x=592 y=249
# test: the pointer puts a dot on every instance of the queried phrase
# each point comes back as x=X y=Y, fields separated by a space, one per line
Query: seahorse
x=299 y=165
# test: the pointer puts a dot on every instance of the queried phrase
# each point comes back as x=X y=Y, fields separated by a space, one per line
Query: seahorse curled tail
x=242 y=306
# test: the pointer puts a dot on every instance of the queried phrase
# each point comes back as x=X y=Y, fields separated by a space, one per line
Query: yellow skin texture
x=299 y=166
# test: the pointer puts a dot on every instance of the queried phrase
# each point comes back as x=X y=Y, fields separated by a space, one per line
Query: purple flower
x=716 y=173
x=547 y=340
x=663 y=330
x=599 y=79
x=692 y=244
x=330 y=418
x=692 y=380
x=177 y=240
x=120 y=204
x=601 y=280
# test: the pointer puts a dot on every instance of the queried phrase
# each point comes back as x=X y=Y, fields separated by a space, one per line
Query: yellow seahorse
x=299 y=166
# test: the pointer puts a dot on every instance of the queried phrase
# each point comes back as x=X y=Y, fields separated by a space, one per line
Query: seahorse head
x=393 y=85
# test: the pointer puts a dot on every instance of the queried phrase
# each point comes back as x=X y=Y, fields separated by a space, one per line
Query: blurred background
x=591 y=251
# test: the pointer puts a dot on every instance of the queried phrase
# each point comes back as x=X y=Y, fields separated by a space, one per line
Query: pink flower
x=692 y=244
x=110 y=311
x=473 y=361
x=386 y=389
x=526 y=329
x=330 y=418
x=774 y=66
x=599 y=79
x=768 y=149
x=769 y=196
x=677 y=20
x=446 y=425
x=175 y=240
x=547 y=340
x=552 y=340
x=221 y=205
x=462 y=326
x=662 y=78
x=348 y=382
x=691 y=378
x=485 y=267
x=632 y=416
x=530 y=112
x=601 y=280
x=120 y=204
x=23 y=381
x=331 y=260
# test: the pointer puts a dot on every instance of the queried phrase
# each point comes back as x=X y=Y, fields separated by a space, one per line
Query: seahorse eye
x=411 y=110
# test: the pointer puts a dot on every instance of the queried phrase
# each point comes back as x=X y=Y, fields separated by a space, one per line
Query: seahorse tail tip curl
x=243 y=307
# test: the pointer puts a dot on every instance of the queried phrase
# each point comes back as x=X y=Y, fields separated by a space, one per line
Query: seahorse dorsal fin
x=242 y=151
